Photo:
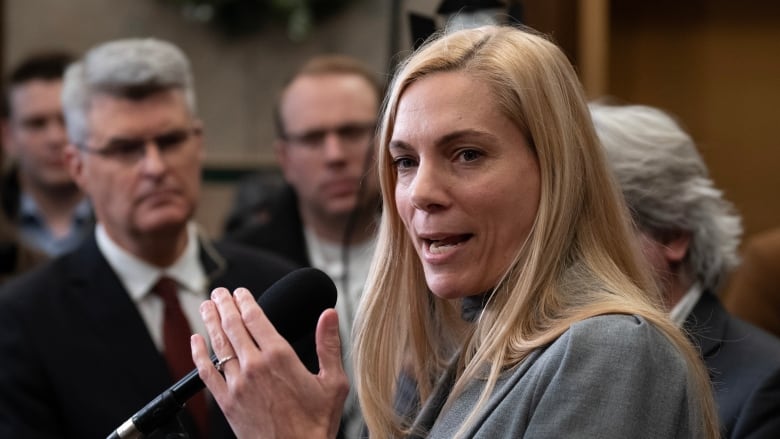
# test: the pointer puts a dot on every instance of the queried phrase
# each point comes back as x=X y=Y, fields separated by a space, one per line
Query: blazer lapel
x=707 y=324
x=214 y=264
x=431 y=410
x=116 y=322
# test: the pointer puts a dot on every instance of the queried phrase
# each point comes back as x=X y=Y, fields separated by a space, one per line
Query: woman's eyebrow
x=465 y=133
x=399 y=146
x=402 y=146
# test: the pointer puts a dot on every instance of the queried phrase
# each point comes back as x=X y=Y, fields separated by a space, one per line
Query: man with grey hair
x=94 y=335
x=690 y=234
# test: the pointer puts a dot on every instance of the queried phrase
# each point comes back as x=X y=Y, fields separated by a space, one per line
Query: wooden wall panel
x=716 y=65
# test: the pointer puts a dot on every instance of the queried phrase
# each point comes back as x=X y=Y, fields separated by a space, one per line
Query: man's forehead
x=35 y=92
x=328 y=99
x=109 y=114
x=36 y=83
x=305 y=84
x=172 y=100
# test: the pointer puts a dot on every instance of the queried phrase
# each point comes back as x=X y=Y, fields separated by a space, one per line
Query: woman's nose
x=428 y=190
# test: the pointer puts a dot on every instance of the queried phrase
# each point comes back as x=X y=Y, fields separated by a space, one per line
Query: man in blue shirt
x=39 y=196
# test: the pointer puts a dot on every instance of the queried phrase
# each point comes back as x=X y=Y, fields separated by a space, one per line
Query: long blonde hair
x=579 y=261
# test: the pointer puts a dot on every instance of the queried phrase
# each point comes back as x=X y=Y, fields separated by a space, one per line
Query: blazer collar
x=214 y=263
x=118 y=327
x=707 y=324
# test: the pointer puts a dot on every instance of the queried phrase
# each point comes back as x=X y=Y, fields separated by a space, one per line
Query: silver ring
x=219 y=364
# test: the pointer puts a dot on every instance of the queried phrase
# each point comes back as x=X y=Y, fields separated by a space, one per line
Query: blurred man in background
x=325 y=120
x=91 y=337
x=15 y=256
x=689 y=234
x=51 y=213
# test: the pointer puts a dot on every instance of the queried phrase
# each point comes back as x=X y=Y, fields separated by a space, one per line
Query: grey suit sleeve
x=611 y=377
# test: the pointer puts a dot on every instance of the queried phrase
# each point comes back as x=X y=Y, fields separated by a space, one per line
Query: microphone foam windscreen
x=294 y=303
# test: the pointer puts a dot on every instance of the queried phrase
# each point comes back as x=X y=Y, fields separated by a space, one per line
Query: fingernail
x=216 y=293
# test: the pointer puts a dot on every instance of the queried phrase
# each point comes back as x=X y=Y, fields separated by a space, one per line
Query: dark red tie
x=176 y=343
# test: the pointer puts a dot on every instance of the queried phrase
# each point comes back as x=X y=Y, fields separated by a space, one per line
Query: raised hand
x=265 y=390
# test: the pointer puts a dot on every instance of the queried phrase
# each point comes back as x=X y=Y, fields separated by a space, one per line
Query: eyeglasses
x=351 y=134
x=132 y=150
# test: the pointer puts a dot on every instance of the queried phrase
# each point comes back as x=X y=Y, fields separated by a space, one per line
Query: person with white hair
x=689 y=234
x=90 y=338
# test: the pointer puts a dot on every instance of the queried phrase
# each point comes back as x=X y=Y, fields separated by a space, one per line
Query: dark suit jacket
x=77 y=359
x=15 y=257
x=281 y=233
x=744 y=365
x=10 y=193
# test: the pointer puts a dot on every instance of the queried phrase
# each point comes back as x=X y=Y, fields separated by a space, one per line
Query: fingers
x=260 y=328
x=267 y=389
x=212 y=318
x=232 y=337
x=329 y=343
x=206 y=371
x=239 y=327
x=331 y=373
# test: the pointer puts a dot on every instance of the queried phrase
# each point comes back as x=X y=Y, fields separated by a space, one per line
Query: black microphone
x=293 y=305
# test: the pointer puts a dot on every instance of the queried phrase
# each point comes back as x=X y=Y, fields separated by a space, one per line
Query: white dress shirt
x=138 y=278
x=328 y=257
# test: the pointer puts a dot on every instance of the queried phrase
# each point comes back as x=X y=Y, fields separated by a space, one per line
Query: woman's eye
x=403 y=162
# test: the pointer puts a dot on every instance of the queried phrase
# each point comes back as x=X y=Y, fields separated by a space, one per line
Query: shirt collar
x=138 y=276
x=83 y=211
x=28 y=208
x=328 y=256
x=680 y=311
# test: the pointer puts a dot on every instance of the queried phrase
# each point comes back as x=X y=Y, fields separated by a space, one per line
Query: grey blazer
x=611 y=376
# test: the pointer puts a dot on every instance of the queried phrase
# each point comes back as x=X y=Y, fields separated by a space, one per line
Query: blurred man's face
x=140 y=165
x=35 y=133
x=329 y=123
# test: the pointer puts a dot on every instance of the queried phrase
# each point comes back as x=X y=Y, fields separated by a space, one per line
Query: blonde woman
x=506 y=294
